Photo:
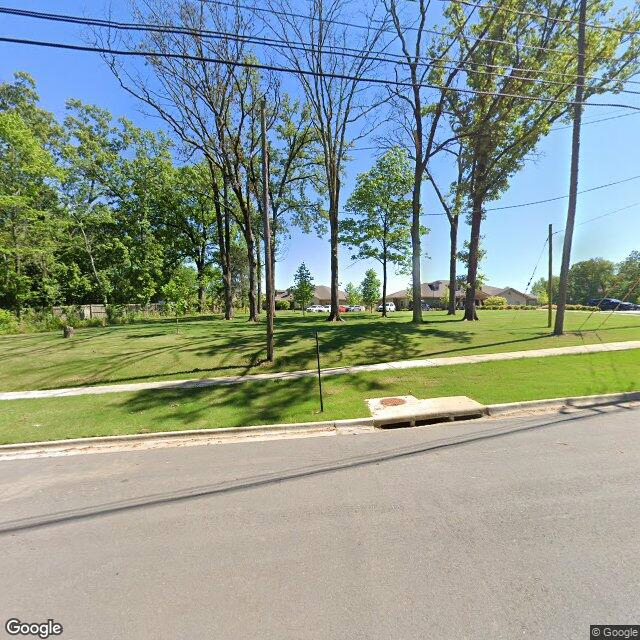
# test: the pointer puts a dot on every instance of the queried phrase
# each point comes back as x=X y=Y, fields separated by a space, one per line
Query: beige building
x=321 y=295
x=435 y=293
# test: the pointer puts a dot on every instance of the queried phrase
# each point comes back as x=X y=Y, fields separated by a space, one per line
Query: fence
x=88 y=311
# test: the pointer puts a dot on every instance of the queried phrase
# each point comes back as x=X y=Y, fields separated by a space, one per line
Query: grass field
x=208 y=347
x=297 y=400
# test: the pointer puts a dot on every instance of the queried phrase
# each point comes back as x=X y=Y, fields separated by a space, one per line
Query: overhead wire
x=376 y=55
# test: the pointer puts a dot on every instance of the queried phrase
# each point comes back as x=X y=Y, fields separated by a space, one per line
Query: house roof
x=497 y=291
x=321 y=292
x=435 y=289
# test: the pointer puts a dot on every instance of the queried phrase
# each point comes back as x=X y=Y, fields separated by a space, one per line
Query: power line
x=366 y=28
x=589 y=25
x=530 y=204
x=604 y=215
x=306 y=72
x=381 y=56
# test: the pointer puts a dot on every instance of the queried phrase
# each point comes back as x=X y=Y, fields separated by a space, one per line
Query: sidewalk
x=292 y=375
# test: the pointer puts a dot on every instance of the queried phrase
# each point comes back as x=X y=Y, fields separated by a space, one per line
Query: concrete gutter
x=299 y=429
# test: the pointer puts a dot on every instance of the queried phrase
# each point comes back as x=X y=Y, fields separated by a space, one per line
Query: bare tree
x=210 y=106
x=334 y=88
x=424 y=79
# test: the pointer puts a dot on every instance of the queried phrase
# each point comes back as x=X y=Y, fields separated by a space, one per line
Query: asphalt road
x=524 y=528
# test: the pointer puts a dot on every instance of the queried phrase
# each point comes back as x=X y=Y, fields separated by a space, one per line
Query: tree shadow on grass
x=237 y=405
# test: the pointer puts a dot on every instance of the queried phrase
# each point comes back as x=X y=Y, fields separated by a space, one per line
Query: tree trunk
x=226 y=276
x=384 y=283
x=201 y=290
x=334 y=198
x=453 y=257
x=472 y=274
x=222 y=227
x=415 y=244
x=251 y=255
x=558 y=329
x=259 y=275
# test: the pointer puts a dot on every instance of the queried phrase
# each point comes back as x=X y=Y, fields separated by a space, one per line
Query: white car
x=357 y=307
x=391 y=306
x=316 y=308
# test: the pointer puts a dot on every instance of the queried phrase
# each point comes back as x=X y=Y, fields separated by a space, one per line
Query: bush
x=8 y=322
x=495 y=302
x=581 y=307
x=283 y=305
x=33 y=321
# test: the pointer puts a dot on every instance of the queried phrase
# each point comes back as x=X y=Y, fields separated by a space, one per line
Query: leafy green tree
x=498 y=131
x=303 y=288
x=590 y=279
x=181 y=292
x=627 y=280
x=540 y=289
x=354 y=295
x=119 y=191
x=189 y=225
x=370 y=288
x=379 y=227
x=30 y=226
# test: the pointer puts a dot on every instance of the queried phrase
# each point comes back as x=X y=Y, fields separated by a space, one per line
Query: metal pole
x=268 y=264
x=550 y=283
x=319 y=377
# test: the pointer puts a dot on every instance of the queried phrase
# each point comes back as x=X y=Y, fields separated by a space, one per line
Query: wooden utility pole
x=268 y=264
x=573 y=184
x=550 y=283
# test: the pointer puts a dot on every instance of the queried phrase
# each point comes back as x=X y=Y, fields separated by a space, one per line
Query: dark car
x=606 y=304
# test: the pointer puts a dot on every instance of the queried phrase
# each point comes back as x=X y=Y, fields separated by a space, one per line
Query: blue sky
x=513 y=238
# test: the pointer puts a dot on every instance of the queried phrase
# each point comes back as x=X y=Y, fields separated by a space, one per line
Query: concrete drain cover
x=392 y=402
x=409 y=411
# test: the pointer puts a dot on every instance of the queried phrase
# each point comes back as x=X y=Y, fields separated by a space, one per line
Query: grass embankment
x=209 y=347
x=297 y=400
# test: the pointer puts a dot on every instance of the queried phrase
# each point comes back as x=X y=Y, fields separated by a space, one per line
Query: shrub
x=33 y=321
x=495 y=302
x=283 y=305
x=581 y=307
x=8 y=322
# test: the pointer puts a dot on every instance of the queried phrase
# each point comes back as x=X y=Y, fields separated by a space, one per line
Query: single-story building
x=321 y=295
x=432 y=293
x=435 y=293
x=511 y=295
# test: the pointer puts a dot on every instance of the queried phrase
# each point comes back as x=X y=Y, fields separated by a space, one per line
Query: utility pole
x=573 y=184
x=550 y=284
x=268 y=264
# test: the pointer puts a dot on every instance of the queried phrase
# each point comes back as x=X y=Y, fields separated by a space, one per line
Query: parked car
x=426 y=307
x=343 y=308
x=391 y=306
x=606 y=304
x=316 y=308
x=356 y=307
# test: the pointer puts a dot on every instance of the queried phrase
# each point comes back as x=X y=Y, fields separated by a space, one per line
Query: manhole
x=392 y=402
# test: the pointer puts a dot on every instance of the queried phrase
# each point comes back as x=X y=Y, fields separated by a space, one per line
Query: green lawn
x=297 y=400
x=206 y=347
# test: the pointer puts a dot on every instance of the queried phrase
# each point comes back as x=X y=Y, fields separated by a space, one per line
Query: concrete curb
x=575 y=402
x=255 y=430
x=494 y=410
